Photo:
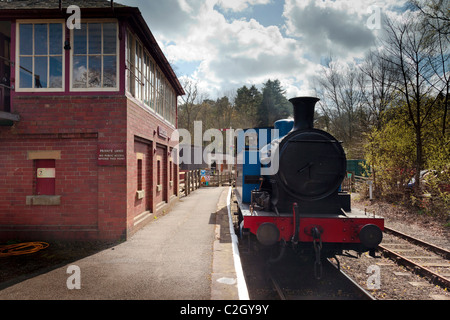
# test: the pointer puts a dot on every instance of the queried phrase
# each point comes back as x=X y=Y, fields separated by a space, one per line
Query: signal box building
x=86 y=116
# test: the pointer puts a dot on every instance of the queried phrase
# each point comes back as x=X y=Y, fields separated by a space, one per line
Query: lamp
x=67 y=45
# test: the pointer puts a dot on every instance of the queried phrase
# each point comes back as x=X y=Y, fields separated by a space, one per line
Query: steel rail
x=438 y=250
x=278 y=289
x=432 y=276
x=365 y=294
x=363 y=291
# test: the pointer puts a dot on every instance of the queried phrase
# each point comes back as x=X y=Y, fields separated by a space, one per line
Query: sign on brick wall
x=111 y=155
x=162 y=133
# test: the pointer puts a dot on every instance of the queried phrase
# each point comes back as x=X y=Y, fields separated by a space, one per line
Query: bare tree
x=436 y=13
x=412 y=58
x=342 y=103
x=435 y=18
x=377 y=87
x=191 y=107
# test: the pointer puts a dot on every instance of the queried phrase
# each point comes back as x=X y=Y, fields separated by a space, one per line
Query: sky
x=223 y=45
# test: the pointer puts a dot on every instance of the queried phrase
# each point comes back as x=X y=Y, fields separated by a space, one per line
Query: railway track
x=345 y=287
x=421 y=257
x=292 y=278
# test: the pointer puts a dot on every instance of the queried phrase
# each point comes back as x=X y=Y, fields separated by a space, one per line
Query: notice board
x=111 y=155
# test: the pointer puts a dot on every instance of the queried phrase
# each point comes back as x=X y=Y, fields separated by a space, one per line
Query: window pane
x=95 y=56
x=109 y=71
x=95 y=72
x=56 y=72
x=130 y=71
x=137 y=71
x=56 y=44
x=40 y=39
x=152 y=71
x=26 y=39
x=80 y=40
x=79 y=72
x=40 y=72
x=109 y=38
x=95 y=38
x=26 y=67
x=145 y=77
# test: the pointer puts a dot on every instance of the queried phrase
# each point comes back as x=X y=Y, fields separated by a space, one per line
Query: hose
x=21 y=248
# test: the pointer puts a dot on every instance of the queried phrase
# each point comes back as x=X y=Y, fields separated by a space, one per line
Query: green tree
x=223 y=112
x=246 y=106
x=274 y=105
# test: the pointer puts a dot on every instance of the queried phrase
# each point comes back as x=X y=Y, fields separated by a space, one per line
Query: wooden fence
x=191 y=181
x=348 y=183
x=220 y=179
x=354 y=183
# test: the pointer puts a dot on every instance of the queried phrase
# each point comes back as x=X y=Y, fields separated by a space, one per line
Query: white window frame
x=159 y=92
x=17 y=64
x=130 y=64
x=96 y=89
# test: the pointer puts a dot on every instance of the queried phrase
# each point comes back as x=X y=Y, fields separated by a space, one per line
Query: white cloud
x=232 y=53
x=329 y=27
x=236 y=53
x=185 y=6
x=240 y=5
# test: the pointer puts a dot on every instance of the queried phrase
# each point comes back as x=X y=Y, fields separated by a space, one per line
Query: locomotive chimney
x=303 y=112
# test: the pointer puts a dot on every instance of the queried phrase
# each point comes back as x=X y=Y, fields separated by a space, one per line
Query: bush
x=391 y=153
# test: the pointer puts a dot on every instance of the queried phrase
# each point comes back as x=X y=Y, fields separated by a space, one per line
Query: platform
x=185 y=255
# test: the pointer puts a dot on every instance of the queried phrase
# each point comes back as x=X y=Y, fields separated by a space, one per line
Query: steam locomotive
x=288 y=182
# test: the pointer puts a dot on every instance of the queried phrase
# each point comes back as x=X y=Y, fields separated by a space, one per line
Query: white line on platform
x=242 y=285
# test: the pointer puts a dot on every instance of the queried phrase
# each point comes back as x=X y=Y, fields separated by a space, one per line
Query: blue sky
x=225 y=44
x=269 y=14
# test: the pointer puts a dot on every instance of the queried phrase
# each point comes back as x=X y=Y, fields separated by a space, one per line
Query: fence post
x=195 y=180
x=188 y=182
x=198 y=179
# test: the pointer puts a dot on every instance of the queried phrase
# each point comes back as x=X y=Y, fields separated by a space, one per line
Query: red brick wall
x=145 y=203
x=93 y=198
x=143 y=138
x=97 y=202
